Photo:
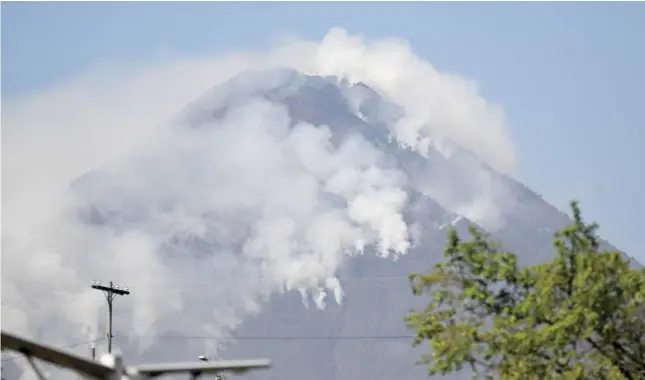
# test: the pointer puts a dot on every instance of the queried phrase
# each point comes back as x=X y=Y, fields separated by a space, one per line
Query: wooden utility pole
x=110 y=292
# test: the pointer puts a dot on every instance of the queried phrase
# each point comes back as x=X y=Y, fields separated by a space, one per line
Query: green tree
x=579 y=316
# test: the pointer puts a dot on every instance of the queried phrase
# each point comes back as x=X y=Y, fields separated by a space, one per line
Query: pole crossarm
x=111 y=289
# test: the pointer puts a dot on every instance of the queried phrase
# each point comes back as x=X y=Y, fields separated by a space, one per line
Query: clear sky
x=570 y=76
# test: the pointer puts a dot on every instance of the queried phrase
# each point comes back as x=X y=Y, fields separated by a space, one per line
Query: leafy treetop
x=578 y=316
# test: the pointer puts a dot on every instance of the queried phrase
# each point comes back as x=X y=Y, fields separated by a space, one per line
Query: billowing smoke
x=102 y=181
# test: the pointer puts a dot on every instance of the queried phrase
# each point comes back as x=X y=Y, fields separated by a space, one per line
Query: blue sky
x=570 y=76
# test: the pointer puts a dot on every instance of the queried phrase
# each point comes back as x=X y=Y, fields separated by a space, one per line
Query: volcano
x=307 y=335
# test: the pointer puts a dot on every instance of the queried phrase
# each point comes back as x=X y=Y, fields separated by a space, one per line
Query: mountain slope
x=442 y=189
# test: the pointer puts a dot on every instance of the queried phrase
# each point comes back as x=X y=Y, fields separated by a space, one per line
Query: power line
x=250 y=337
x=285 y=337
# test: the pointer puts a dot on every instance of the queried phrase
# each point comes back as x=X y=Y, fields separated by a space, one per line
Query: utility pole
x=110 y=292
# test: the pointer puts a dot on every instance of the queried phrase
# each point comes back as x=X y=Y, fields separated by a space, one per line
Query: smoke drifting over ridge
x=272 y=208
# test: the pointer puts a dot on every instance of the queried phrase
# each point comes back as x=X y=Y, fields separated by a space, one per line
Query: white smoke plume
x=280 y=208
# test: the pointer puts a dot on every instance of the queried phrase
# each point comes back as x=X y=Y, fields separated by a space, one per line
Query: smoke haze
x=268 y=206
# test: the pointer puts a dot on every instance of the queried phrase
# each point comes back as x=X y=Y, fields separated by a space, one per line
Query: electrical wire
x=249 y=337
x=285 y=337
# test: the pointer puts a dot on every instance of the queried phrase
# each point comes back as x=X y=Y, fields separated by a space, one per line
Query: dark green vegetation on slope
x=577 y=316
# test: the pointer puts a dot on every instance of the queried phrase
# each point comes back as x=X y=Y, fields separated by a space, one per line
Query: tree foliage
x=579 y=316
